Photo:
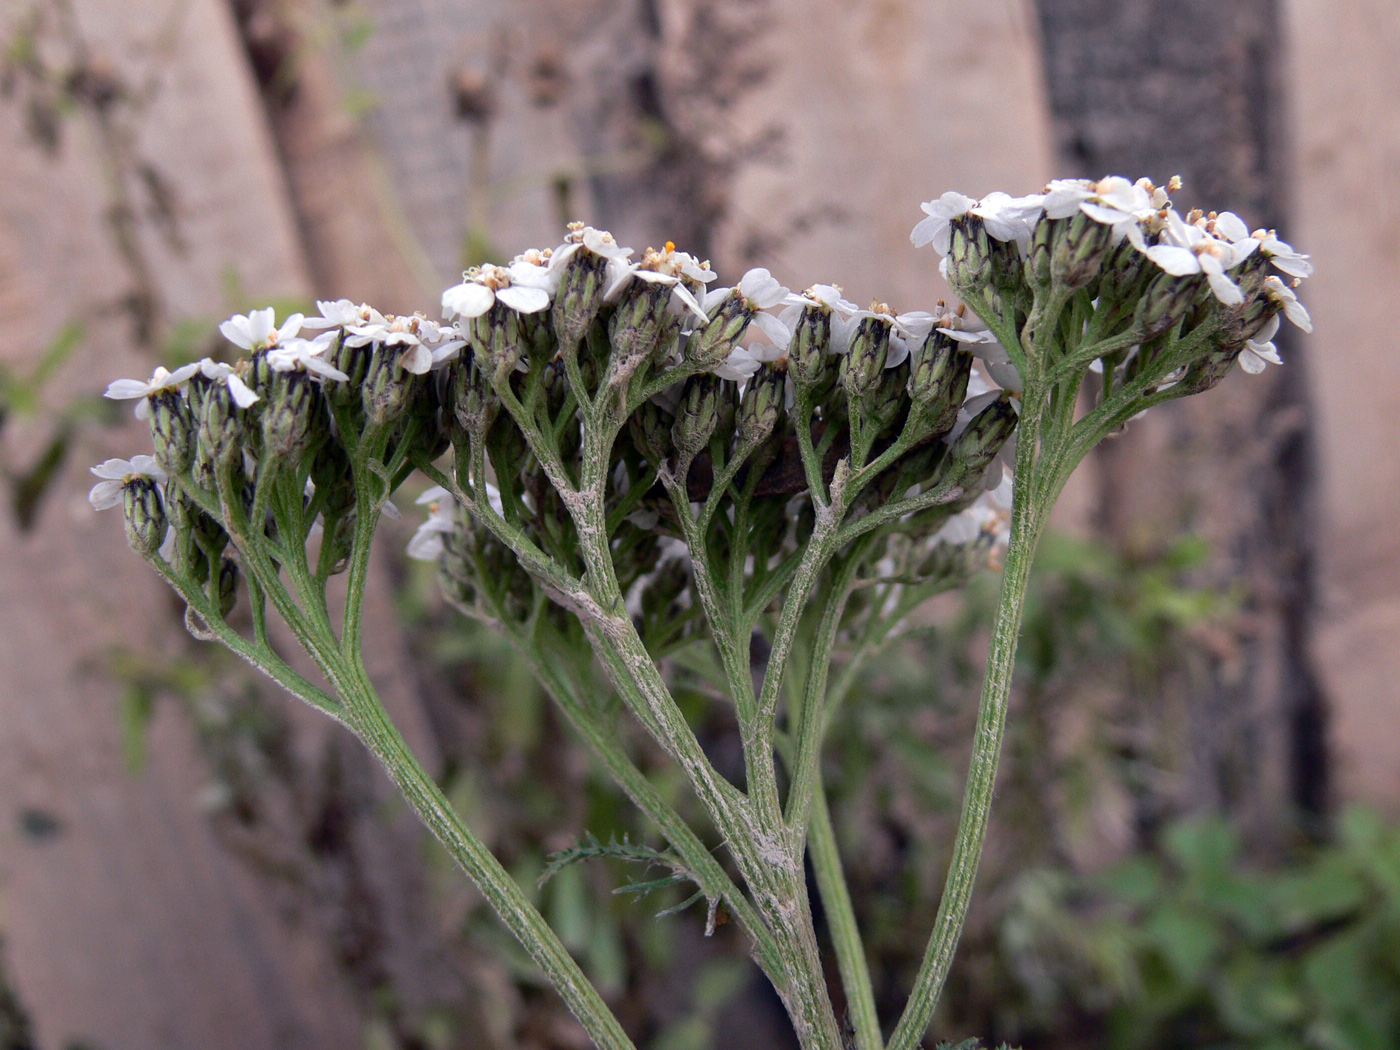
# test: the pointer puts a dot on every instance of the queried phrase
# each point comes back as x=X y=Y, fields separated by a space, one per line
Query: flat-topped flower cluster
x=745 y=396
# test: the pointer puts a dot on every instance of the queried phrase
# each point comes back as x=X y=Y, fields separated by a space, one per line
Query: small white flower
x=761 y=291
x=971 y=330
x=935 y=229
x=482 y=286
x=825 y=296
x=1114 y=201
x=1004 y=217
x=1260 y=350
x=218 y=372
x=125 y=389
x=341 y=313
x=1281 y=294
x=665 y=267
x=424 y=342
x=1282 y=255
x=116 y=475
x=257 y=331
x=427 y=541
x=306 y=355
x=745 y=361
x=1189 y=248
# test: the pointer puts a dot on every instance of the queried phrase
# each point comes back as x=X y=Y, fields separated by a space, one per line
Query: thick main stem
x=1026 y=522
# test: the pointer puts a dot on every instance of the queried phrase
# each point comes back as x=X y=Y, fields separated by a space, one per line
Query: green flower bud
x=697 y=416
x=579 y=297
x=938 y=379
x=863 y=366
x=497 y=343
x=1079 y=252
x=712 y=344
x=761 y=404
x=474 y=403
x=220 y=434
x=640 y=325
x=387 y=386
x=1125 y=272
x=1209 y=370
x=811 y=342
x=1165 y=304
x=172 y=430
x=978 y=445
x=228 y=586
x=293 y=402
x=144 y=515
x=650 y=430
x=889 y=405
x=1007 y=269
x=354 y=361
x=969 y=255
x=1042 y=247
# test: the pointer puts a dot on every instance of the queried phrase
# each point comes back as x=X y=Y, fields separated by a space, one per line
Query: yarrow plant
x=638 y=472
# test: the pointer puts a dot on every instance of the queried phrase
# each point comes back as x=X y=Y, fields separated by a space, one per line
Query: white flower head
x=1259 y=349
x=116 y=475
x=427 y=542
x=306 y=355
x=1115 y=202
x=936 y=228
x=1189 y=248
x=257 y=330
x=1288 y=302
x=342 y=313
x=1004 y=217
x=1282 y=255
x=218 y=372
x=761 y=291
x=125 y=389
x=667 y=267
x=422 y=342
x=524 y=286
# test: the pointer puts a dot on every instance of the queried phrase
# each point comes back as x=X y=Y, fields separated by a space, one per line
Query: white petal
x=925 y=231
x=897 y=352
x=122 y=389
x=773 y=328
x=1231 y=226
x=468 y=299
x=1250 y=362
x=1298 y=314
x=523 y=299
x=1175 y=260
x=112 y=469
x=243 y=397
x=1226 y=290
x=106 y=494
x=432 y=495
x=761 y=288
x=235 y=330
x=417 y=359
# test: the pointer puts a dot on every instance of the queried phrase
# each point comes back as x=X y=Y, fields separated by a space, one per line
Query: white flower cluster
x=1213 y=245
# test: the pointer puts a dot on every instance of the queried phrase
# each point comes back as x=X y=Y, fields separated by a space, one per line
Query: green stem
x=841 y=921
x=1026 y=522
x=373 y=726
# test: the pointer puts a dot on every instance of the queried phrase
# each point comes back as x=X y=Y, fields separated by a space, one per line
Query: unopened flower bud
x=1165 y=304
x=978 y=445
x=292 y=404
x=761 y=404
x=144 y=515
x=1042 y=247
x=864 y=364
x=387 y=386
x=888 y=405
x=497 y=343
x=969 y=255
x=220 y=432
x=172 y=430
x=811 y=341
x=639 y=324
x=1124 y=274
x=712 y=344
x=938 y=378
x=579 y=297
x=1079 y=252
x=650 y=430
x=228 y=586
x=474 y=403
x=354 y=361
x=697 y=416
